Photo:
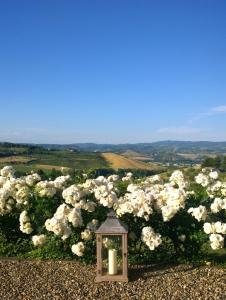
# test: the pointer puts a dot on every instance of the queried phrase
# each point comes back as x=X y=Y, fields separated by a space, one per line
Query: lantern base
x=111 y=278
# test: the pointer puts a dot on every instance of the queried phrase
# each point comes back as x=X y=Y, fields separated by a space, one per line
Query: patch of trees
x=217 y=162
x=6 y=154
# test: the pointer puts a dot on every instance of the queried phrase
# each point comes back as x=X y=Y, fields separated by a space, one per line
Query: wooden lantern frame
x=112 y=227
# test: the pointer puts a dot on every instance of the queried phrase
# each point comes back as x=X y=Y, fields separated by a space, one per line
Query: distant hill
x=172 y=146
x=168 y=153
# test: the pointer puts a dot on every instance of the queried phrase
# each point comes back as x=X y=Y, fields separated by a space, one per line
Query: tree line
x=217 y=162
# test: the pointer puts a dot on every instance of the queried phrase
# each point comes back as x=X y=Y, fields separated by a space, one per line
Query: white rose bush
x=168 y=218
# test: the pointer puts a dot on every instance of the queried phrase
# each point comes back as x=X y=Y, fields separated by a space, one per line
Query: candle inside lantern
x=112 y=261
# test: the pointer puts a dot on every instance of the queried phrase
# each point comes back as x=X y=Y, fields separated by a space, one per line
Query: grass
x=15 y=160
x=44 y=159
x=77 y=160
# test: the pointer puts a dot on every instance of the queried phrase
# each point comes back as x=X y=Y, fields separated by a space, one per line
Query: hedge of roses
x=169 y=219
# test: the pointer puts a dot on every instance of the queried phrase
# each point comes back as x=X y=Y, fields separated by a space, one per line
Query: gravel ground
x=33 y=279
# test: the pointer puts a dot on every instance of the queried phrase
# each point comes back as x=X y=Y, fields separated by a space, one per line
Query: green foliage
x=217 y=162
x=194 y=248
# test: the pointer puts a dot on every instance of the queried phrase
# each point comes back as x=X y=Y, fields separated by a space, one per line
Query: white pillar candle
x=112 y=261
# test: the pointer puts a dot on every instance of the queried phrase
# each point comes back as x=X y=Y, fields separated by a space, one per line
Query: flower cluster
x=217 y=205
x=104 y=191
x=78 y=249
x=49 y=188
x=46 y=189
x=202 y=179
x=60 y=182
x=25 y=225
x=13 y=192
x=7 y=171
x=59 y=223
x=217 y=227
x=32 y=179
x=177 y=178
x=214 y=187
x=216 y=241
x=216 y=230
x=144 y=199
x=39 y=240
x=136 y=202
x=150 y=238
x=199 y=213
x=72 y=194
x=128 y=177
x=170 y=197
x=86 y=235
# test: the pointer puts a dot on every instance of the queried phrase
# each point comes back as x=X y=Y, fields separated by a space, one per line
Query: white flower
x=128 y=177
x=60 y=181
x=202 y=179
x=22 y=195
x=89 y=206
x=220 y=227
x=2 y=181
x=217 y=205
x=199 y=213
x=75 y=217
x=168 y=212
x=58 y=227
x=86 y=235
x=215 y=187
x=213 y=175
x=216 y=241
x=177 y=177
x=62 y=211
x=150 y=238
x=113 y=178
x=78 y=249
x=25 y=225
x=208 y=228
x=138 y=203
x=32 y=179
x=45 y=189
x=72 y=194
x=7 y=171
x=39 y=240
x=155 y=178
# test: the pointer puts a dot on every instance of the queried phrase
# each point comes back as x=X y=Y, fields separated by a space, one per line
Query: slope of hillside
x=147 y=148
x=26 y=158
x=117 y=161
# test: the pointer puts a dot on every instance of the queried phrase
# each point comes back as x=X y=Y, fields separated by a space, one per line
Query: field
x=27 y=158
x=117 y=161
x=137 y=156
x=15 y=160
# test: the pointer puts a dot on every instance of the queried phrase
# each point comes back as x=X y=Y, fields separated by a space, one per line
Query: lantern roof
x=112 y=225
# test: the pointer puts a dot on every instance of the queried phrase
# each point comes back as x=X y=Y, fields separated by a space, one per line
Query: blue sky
x=112 y=71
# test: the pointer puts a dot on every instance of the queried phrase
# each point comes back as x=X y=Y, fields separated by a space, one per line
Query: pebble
x=69 y=280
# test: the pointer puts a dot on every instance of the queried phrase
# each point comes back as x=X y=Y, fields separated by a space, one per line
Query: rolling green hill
x=26 y=157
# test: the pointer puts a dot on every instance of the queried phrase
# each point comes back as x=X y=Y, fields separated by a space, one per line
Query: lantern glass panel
x=112 y=258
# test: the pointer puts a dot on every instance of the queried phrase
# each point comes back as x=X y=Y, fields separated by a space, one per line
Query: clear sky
x=112 y=71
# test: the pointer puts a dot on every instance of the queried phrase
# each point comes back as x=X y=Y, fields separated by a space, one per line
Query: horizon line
x=129 y=143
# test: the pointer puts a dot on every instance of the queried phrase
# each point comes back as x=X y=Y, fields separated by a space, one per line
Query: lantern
x=112 y=250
